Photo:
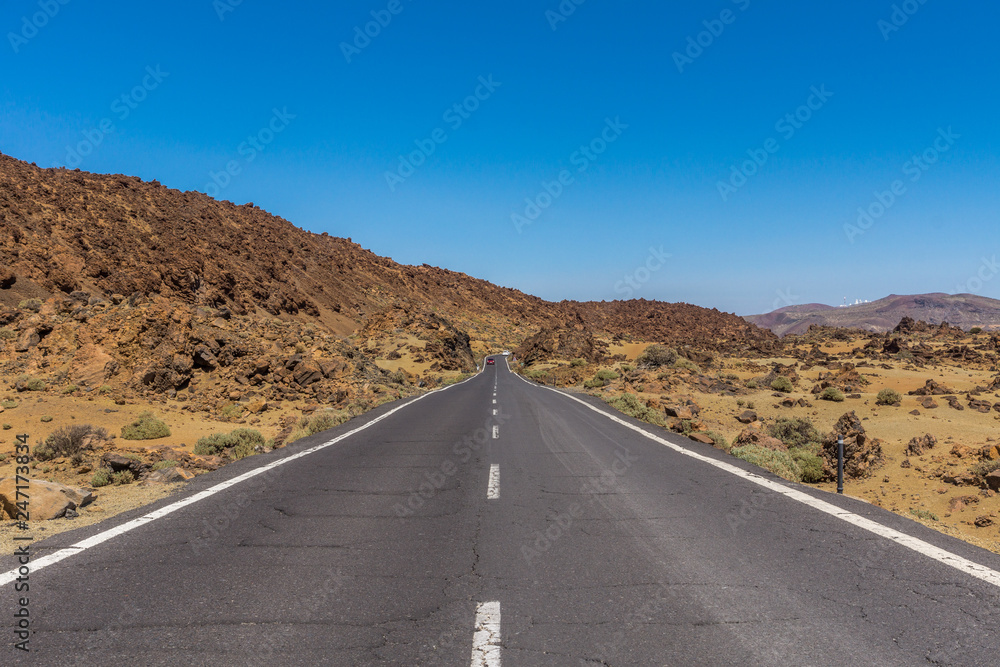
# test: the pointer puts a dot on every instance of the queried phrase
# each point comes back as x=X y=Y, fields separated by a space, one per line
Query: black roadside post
x=840 y=464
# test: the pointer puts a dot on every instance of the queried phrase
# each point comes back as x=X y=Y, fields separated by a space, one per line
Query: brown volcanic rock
x=48 y=500
x=676 y=324
x=931 y=388
x=862 y=453
x=560 y=342
x=918 y=446
x=754 y=436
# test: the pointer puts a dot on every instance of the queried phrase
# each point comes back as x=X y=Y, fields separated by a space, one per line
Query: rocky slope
x=964 y=311
x=156 y=286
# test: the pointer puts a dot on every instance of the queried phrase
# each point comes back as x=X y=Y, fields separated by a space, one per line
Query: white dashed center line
x=493 y=492
x=486 y=640
x=496 y=431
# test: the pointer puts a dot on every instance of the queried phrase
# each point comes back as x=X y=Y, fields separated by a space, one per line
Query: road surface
x=498 y=522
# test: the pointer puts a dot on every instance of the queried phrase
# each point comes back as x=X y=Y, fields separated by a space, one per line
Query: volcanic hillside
x=964 y=311
x=89 y=247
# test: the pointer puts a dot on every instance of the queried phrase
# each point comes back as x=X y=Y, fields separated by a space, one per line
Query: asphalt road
x=540 y=534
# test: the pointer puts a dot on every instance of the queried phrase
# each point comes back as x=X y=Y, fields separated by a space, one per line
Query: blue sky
x=716 y=153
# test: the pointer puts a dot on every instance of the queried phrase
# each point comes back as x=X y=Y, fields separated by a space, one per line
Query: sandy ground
x=901 y=490
x=185 y=429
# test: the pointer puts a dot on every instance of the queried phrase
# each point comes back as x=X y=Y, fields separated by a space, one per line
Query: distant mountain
x=961 y=310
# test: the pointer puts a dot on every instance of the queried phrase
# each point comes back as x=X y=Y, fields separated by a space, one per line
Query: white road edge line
x=965 y=565
x=486 y=639
x=99 y=538
x=493 y=490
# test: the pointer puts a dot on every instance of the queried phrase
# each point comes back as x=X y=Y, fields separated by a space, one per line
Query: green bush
x=398 y=377
x=781 y=383
x=687 y=364
x=122 y=477
x=976 y=330
x=751 y=384
x=323 y=421
x=780 y=463
x=924 y=514
x=809 y=461
x=212 y=445
x=160 y=465
x=104 y=389
x=247 y=443
x=633 y=406
x=363 y=405
x=101 y=478
x=719 y=440
x=231 y=412
x=70 y=389
x=795 y=432
x=578 y=362
x=145 y=427
x=35 y=385
x=655 y=356
x=593 y=384
x=8 y=405
x=888 y=397
x=627 y=368
x=605 y=375
x=45 y=419
x=317 y=423
x=832 y=394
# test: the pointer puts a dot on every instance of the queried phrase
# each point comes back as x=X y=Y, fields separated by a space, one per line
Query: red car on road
x=491 y=361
